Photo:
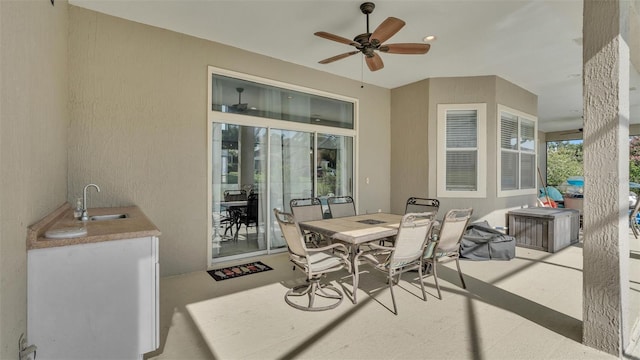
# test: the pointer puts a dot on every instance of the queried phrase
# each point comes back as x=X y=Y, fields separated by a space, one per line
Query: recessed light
x=429 y=38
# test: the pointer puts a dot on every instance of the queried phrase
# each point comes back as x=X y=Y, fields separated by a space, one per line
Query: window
x=274 y=101
x=517 y=162
x=461 y=150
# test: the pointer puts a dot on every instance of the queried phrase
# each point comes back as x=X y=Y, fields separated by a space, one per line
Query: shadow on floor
x=553 y=320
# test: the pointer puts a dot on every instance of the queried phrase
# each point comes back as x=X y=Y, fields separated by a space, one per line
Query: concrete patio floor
x=526 y=308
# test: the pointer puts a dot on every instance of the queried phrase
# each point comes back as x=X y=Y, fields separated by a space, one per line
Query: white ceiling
x=534 y=44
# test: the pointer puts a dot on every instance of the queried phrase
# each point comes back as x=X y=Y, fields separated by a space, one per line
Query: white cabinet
x=94 y=301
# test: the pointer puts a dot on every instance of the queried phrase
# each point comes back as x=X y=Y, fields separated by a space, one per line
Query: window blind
x=462 y=150
x=517 y=152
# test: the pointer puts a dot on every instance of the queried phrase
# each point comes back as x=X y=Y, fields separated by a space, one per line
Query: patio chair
x=247 y=216
x=633 y=222
x=447 y=243
x=229 y=220
x=341 y=206
x=405 y=255
x=417 y=204
x=307 y=209
x=315 y=263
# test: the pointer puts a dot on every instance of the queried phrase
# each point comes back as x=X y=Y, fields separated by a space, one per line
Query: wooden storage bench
x=547 y=229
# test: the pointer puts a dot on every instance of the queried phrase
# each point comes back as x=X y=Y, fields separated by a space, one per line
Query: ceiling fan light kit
x=370 y=43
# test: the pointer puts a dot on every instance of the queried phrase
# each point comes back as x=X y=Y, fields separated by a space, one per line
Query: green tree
x=564 y=159
x=634 y=159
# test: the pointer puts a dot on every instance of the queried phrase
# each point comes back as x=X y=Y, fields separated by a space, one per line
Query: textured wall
x=139 y=121
x=33 y=142
x=606 y=168
x=413 y=139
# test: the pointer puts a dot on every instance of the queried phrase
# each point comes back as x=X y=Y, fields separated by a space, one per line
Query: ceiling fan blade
x=387 y=29
x=374 y=62
x=408 y=48
x=337 y=38
x=338 y=57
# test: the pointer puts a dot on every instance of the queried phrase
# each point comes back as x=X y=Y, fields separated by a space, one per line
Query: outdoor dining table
x=356 y=230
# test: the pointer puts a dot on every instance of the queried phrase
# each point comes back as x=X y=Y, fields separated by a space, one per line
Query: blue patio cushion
x=554 y=194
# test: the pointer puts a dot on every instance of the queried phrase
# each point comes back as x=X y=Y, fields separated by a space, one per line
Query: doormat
x=236 y=271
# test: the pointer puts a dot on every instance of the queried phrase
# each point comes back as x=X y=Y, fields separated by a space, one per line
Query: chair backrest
x=306 y=209
x=341 y=206
x=235 y=195
x=453 y=227
x=417 y=205
x=412 y=237
x=252 y=208
x=291 y=233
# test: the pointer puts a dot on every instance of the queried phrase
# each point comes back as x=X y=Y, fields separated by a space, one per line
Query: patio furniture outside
x=405 y=255
x=341 y=206
x=356 y=230
x=543 y=228
x=417 y=204
x=315 y=263
x=307 y=209
x=453 y=227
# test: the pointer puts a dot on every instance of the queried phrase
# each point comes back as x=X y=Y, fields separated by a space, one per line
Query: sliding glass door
x=292 y=164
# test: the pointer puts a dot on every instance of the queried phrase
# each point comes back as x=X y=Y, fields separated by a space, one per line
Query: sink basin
x=108 y=217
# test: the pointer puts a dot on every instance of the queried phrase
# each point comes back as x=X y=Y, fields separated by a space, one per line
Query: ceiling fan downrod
x=367 y=8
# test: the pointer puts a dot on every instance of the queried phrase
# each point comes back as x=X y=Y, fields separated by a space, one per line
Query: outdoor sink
x=108 y=217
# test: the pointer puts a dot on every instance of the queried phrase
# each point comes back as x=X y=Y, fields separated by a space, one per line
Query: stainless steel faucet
x=85 y=216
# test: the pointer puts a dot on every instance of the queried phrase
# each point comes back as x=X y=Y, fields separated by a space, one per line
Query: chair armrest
x=336 y=246
x=374 y=249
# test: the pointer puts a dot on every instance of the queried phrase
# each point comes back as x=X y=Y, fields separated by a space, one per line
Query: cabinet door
x=93 y=301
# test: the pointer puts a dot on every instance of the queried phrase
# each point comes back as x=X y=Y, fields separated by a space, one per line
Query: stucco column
x=606 y=168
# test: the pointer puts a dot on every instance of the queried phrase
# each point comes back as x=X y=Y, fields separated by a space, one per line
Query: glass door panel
x=239 y=163
x=334 y=167
x=291 y=172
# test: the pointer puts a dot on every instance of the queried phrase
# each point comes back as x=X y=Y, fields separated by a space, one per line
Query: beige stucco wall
x=139 y=125
x=33 y=143
x=414 y=169
x=409 y=146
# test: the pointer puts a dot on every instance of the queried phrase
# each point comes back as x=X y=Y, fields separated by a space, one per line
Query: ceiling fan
x=239 y=107
x=368 y=43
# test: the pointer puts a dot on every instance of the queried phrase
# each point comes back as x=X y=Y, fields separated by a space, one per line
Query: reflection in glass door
x=239 y=175
x=334 y=167
x=291 y=173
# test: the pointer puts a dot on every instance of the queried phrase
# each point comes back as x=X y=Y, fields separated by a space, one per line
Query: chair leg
x=310 y=290
x=464 y=286
x=356 y=277
x=393 y=298
x=435 y=277
x=424 y=294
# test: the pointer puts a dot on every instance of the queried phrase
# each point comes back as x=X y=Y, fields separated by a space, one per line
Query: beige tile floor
x=526 y=308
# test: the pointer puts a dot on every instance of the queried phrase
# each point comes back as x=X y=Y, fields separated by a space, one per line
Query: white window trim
x=519 y=114
x=481 y=192
x=239 y=119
